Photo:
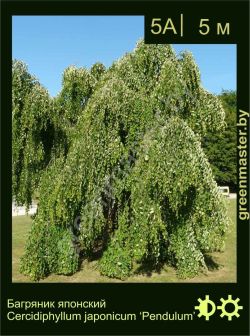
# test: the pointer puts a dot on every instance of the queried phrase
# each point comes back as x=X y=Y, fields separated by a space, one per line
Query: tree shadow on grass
x=147 y=268
x=212 y=265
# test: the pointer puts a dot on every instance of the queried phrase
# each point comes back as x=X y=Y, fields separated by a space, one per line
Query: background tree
x=220 y=147
x=135 y=173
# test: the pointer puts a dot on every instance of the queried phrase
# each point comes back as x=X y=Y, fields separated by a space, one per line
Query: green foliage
x=49 y=250
x=220 y=147
x=97 y=70
x=134 y=170
x=77 y=87
x=167 y=207
x=42 y=127
x=31 y=132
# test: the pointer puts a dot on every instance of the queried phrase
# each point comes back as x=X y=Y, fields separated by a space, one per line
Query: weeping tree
x=42 y=126
x=32 y=132
x=134 y=186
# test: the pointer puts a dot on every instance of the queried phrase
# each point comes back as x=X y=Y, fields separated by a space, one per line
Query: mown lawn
x=222 y=265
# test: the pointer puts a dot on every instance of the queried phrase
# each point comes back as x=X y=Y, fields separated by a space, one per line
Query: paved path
x=21 y=211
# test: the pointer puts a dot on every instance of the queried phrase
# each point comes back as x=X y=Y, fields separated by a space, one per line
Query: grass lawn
x=222 y=265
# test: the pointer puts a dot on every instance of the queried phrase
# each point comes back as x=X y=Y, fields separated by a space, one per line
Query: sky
x=49 y=44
